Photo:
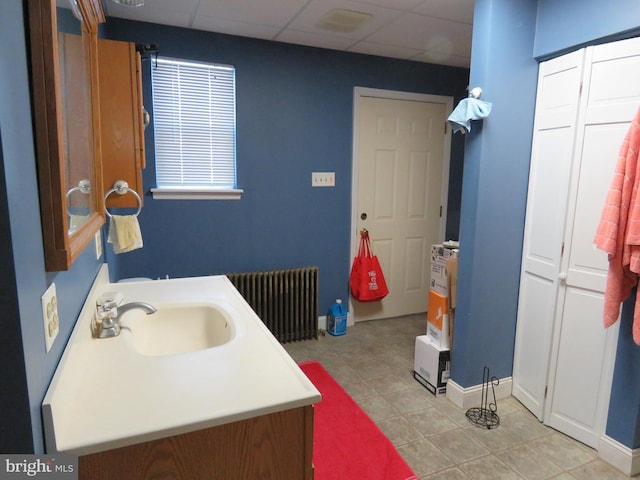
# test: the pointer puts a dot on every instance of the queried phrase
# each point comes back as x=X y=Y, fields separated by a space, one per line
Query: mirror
x=77 y=136
x=66 y=121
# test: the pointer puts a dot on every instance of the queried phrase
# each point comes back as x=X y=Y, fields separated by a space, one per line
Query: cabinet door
x=121 y=119
x=584 y=352
x=554 y=131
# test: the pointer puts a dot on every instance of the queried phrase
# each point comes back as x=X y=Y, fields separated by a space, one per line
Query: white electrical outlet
x=50 y=315
x=98 y=240
x=323 y=179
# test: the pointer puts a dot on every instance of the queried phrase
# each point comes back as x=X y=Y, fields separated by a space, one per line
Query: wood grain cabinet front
x=276 y=446
x=121 y=119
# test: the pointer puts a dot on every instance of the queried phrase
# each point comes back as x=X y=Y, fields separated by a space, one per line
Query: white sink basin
x=177 y=329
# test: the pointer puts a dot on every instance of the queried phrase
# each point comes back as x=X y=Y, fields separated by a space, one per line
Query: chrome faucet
x=106 y=322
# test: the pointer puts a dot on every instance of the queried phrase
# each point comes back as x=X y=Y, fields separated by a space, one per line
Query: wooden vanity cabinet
x=121 y=119
x=271 y=447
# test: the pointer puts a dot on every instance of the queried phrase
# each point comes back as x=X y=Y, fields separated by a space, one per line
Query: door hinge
x=546 y=389
x=440 y=211
x=580 y=91
x=562 y=250
x=445 y=127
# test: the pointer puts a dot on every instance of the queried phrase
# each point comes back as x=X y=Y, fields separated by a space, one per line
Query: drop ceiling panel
x=310 y=39
x=307 y=20
x=425 y=33
x=456 y=10
x=385 y=50
x=231 y=27
x=396 y=4
x=435 y=31
x=274 y=13
x=163 y=16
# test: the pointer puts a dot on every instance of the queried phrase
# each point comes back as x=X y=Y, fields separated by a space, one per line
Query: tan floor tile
x=410 y=399
x=424 y=458
x=359 y=390
x=374 y=364
x=399 y=430
x=488 y=468
x=564 y=452
x=597 y=470
x=450 y=474
x=378 y=408
x=524 y=426
x=495 y=439
x=458 y=446
x=431 y=422
x=387 y=384
x=524 y=460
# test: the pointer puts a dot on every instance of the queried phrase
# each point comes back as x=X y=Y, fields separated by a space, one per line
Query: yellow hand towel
x=124 y=233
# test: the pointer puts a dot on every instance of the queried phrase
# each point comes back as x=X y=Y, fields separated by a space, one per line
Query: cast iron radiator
x=285 y=300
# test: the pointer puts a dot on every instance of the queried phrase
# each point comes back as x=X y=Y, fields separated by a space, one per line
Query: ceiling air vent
x=343 y=21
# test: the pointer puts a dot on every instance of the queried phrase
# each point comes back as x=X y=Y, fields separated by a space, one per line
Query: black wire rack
x=486 y=415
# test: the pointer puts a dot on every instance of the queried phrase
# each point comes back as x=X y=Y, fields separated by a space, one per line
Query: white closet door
x=554 y=133
x=584 y=352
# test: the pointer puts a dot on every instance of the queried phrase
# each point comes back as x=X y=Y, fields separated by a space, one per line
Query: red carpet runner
x=347 y=444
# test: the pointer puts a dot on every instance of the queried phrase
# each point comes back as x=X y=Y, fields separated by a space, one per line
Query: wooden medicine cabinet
x=65 y=107
x=122 y=119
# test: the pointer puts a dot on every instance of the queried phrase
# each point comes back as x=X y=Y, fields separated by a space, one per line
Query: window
x=195 y=129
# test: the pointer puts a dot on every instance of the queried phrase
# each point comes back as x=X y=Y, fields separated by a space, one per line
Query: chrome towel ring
x=121 y=187
x=84 y=187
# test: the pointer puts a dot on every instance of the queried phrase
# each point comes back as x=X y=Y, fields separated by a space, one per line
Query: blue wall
x=294 y=116
x=566 y=25
x=496 y=171
x=28 y=371
x=494 y=189
x=290 y=86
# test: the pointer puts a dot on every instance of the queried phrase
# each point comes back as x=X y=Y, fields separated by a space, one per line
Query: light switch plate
x=50 y=316
x=323 y=179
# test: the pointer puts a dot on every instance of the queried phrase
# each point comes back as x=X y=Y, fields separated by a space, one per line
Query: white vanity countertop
x=105 y=395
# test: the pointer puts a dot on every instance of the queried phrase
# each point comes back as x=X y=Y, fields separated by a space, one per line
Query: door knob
x=562 y=276
x=363 y=216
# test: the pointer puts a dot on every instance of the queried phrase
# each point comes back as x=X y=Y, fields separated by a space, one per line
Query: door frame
x=358 y=94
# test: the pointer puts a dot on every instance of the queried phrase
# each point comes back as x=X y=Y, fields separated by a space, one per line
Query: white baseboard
x=322 y=322
x=621 y=457
x=469 y=397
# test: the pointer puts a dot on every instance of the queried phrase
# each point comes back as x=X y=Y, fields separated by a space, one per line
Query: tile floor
x=374 y=363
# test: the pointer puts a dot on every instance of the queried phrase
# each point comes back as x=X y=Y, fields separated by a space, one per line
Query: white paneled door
x=552 y=151
x=564 y=356
x=400 y=163
x=584 y=352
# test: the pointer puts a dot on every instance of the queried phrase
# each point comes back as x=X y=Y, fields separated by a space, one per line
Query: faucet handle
x=108 y=298
x=107 y=306
x=105 y=312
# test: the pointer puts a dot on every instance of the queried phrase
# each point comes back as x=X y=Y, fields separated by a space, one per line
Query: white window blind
x=194 y=125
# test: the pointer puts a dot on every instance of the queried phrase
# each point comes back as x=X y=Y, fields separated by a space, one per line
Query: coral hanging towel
x=618 y=232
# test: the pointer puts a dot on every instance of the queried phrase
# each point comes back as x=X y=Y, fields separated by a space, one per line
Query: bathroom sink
x=177 y=329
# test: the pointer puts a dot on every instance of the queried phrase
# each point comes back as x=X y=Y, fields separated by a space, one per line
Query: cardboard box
x=431 y=366
x=439 y=279
x=440 y=254
x=438 y=319
x=452 y=276
x=440 y=337
x=452 y=281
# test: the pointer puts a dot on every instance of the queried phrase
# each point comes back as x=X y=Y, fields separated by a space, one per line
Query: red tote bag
x=367 y=280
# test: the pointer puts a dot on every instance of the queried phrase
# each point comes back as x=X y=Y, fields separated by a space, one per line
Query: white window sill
x=195 y=194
